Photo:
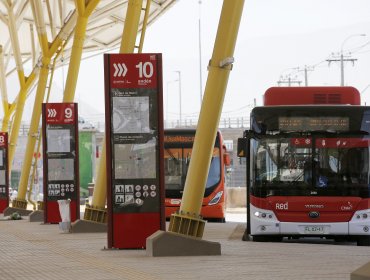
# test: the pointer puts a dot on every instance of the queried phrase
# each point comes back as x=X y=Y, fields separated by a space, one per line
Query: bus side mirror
x=242 y=147
x=227 y=159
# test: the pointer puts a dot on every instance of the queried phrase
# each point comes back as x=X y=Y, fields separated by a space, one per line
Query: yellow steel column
x=19 y=107
x=131 y=27
x=4 y=92
x=129 y=34
x=75 y=60
x=48 y=50
x=78 y=42
x=188 y=221
x=24 y=83
x=100 y=189
x=13 y=137
x=20 y=201
x=17 y=56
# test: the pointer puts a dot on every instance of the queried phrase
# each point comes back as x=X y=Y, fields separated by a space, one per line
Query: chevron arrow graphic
x=52 y=113
x=115 y=70
x=120 y=70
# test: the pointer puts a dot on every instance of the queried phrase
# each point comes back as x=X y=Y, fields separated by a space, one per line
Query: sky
x=276 y=39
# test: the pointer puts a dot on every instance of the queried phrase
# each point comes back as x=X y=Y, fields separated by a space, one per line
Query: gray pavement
x=37 y=251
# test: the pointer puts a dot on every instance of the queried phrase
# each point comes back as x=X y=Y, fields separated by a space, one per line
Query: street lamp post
x=200 y=53
x=342 y=57
x=167 y=100
x=179 y=73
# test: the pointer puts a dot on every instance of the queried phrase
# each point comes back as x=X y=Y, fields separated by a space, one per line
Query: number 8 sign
x=4 y=172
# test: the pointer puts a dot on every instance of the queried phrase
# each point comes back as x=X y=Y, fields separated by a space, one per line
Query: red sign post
x=134 y=131
x=4 y=172
x=60 y=156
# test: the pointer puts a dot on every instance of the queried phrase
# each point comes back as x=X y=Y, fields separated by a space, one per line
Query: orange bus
x=178 y=144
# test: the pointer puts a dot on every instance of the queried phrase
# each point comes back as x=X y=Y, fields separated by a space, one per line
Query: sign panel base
x=165 y=244
x=53 y=213
x=127 y=225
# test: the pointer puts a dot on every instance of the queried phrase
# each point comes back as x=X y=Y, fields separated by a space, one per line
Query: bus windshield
x=176 y=166
x=309 y=166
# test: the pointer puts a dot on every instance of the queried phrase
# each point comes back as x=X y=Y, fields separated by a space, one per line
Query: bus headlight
x=216 y=198
x=264 y=214
x=361 y=215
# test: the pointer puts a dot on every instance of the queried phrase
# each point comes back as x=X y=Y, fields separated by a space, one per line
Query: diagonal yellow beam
x=48 y=51
x=15 y=43
x=131 y=27
x=219 y=70
x=80 y=6
x=40 y=25
x=77 y=48
x=3 y=88
x=20 y=201
x=18 y=107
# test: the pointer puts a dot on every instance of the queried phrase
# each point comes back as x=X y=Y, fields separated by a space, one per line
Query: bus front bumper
x=264 y=222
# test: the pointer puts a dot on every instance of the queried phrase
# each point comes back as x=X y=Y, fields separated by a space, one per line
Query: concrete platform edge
x=162 y=244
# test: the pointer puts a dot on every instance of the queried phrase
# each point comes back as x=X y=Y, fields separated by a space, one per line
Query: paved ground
x=36 y=251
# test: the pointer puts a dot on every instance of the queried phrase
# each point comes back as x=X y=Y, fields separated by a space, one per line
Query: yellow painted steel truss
x=93 y=24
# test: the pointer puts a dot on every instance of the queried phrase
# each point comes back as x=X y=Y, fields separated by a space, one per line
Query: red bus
x=308 y=165
x=178 y=144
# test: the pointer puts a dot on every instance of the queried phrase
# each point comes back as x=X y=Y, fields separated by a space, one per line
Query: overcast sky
x=275 y=37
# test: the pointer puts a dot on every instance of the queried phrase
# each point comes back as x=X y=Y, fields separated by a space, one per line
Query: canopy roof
x=104 y=29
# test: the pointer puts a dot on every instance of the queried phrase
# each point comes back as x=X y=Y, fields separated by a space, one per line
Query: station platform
x=42 y=251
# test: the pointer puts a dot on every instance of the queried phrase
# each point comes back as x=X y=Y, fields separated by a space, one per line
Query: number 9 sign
x=68 y=113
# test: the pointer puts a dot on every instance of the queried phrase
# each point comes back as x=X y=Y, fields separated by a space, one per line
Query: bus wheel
x=363 y=241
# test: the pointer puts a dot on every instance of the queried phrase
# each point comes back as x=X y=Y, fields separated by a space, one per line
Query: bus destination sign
x=313 y=123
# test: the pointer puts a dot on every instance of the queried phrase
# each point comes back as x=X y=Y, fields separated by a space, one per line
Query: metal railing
x=239 y=122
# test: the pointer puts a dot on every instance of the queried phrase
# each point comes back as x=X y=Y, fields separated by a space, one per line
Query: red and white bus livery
x=308 y=165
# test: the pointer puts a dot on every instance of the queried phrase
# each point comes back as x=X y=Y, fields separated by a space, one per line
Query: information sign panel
x=60 y=151
x=4 y=172
x=134 y=131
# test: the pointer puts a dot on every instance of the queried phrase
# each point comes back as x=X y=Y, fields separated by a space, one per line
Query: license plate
x=314 y=229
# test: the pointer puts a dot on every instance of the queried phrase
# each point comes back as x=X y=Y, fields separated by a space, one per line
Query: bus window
x=175 y=169
x=342 y=161
x=214 y=174
x=281 y=160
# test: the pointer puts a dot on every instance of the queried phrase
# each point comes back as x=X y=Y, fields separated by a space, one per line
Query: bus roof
x=312 y=96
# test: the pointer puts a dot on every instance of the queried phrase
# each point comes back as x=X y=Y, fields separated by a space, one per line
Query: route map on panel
x=2 y=177
x=135 y=160
x=59 y=141
x=60 y=169
x=131 y=114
